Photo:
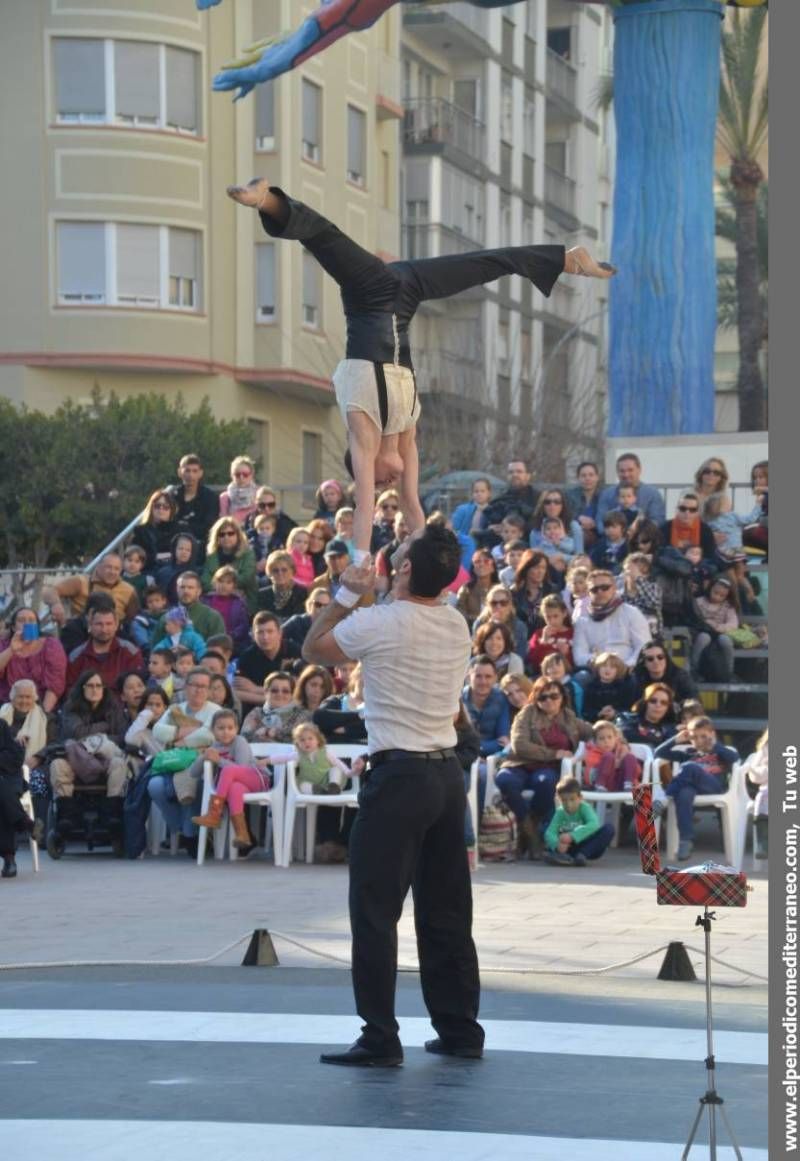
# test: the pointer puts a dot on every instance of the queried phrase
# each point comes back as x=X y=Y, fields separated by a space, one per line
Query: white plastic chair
x=273 y=799
x=615 y=798
x=27 y=805
x=298 y=800
x=758 y=864
x=732 y=806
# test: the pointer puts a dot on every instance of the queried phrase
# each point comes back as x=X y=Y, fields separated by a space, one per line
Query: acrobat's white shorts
x=357 y=390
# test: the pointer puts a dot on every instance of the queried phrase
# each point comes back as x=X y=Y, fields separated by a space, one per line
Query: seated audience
x=139 y=736
x=296 y=628
x=27 y=655
x=487 y=706
x=184 y=556
x=230 y=605
x=483 y=575
x=319 y=533
x=314 y=686
x=237 y=773
x=105 y=651
x=330 y=498
x=297 y=546
x=719 y=613
x=341 y=716
x=275 y=719
x=583 y=500
x=197 y=504
x=180 y=631
x=649 y=500
x=575 y=833
x=610 y=690
x=756 y=535
x=238 y=500
x=157 y=529
x=268 y=654
x=608 y=764
x=143 y=624
x=556 y=667
x=494 y=640
x=531 y=585
x=106 y=578
x=652 y=718
x=499 y=608
x=554 y=637
x=756 y=768
x=608 y=626
x=517 y=689
x=640 y=591
x=134 y=564
x=283 y=597
x=337 y=558
x=554 y=505
x=687 y=529
x=228 y=545
x=267 y=504
x=710 y=480
x=467 y=517
x=611 y=548
x=263 y=540
x=26 y=719
x=206 y=621
x=130 y=690
x=386 y=509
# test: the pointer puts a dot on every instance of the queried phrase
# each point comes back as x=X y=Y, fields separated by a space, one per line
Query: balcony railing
x=561 y=79
x=559 y=190
x=434 y=121
x=450 y=373
x=433 y=239
x=476 y=20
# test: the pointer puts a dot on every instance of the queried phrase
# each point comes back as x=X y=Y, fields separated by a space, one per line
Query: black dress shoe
x=360 y=1056
x=465 y=1051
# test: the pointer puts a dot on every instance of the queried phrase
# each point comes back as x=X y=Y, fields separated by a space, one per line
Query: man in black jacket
x=198 y=505
x=520 y=497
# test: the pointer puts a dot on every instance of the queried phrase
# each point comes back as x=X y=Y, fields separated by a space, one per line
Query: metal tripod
x=711 y=1100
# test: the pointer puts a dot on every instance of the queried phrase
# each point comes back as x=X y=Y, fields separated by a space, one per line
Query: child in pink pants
x=615 y=768
x=238 y=774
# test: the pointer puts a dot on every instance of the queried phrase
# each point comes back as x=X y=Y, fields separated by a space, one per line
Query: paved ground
x=115 y=1062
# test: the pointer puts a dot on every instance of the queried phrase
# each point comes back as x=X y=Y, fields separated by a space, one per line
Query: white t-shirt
x=414 y=658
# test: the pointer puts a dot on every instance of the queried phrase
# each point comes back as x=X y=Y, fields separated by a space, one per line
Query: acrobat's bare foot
x=256 y=193
x=578 y=260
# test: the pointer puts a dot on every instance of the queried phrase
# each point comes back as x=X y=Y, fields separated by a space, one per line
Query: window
x=127 y=264
x=129 y=82
x=312 y=467
x=529 y=124
x=311 y=292
x=506 y=109
x=81 y=275
x=465 y=96
x=356 y=146
x=560 y=41
x=265 y=282
x=80 y=79
x=265 y=116
x=312 y=117
x=184 y=272
x=555 y=155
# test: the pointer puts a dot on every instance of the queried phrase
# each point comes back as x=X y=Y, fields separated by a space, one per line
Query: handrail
x=115 y=543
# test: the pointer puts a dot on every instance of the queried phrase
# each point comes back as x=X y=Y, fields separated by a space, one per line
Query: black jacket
x=197 y=515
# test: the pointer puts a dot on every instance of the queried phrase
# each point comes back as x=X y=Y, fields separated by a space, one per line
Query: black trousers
x=13 y=818
x=409 y=832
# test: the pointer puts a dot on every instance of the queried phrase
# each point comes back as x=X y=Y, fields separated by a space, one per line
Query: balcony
x=448 y=373
x=562 y=85
x=458 y=30
x=433 y=125
x=433 y=239
x=559 y=197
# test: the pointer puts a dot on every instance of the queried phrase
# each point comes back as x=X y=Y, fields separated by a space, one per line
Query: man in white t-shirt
x=409 y=831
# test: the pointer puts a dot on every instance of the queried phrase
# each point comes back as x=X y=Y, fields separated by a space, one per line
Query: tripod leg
x=695 y=1125
x=731 y=1134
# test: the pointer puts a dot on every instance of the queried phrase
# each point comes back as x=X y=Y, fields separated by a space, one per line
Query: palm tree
x=727 y=299
x=742 y=131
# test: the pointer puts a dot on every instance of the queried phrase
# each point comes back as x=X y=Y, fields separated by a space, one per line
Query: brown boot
x=242 y=839
x=535 y=842
x=524 y=837
x=213 y=817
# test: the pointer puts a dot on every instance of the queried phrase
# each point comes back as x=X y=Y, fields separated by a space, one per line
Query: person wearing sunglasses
x=543 y=733
x=687 y=530
x=386 y=509
x=653 y=718
x=655 y=665
x=158 y=526
x=710 y=479
x=499 y=607
x=238 y=501
x=228 y=545
x=609 y=626
x=267 y=505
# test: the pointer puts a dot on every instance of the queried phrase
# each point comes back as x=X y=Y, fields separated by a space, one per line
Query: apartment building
x=126 y=265
x=503 y=144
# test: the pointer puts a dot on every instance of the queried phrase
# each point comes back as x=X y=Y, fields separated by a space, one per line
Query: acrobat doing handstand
x=375 y=385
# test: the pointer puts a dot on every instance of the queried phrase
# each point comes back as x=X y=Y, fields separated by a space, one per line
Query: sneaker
x=559 y=859
x=659 y=807
x=579 y=860
x=685 y=848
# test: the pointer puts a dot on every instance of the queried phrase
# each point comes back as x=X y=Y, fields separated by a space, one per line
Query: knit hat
x=178 y=614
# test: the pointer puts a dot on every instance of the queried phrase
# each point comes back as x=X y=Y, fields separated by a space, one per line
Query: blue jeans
x=693 y=779
x=178 y=818
x=512 y=780
x=595 y=845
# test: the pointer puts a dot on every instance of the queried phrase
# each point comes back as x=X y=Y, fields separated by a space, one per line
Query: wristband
x=347 y=597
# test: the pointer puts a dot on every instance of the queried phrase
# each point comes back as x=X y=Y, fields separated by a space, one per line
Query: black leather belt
x=381 y=756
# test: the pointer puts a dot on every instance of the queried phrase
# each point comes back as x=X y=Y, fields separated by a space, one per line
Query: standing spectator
x=655 y=664
x=230 y=605
x=197 y=504
x=705 y=766
x=543 y=733
x=611 y=548
x=649 y=500
x=282 y=596
x=206 y=621
x=269 y=653
x=710 y=479
x=584 y=499
x=228 y=545
x=472 y=594
x=297 y=626
x=28 y=655
x=330 y=498
x=105 y=652
x=467 y=518
x=609 y=626
x=267 y=504
x=687 y=530
x=487 y=706
x=553 y=504
x=157 y=529
x=239 y=498
x=494 y=640
x=107 y=578
x=520 y=497
x=531 y=585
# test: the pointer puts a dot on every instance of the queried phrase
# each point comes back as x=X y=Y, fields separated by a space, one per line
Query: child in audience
x=627 y=503
x=720 y=612
x=133 y=564
x=223 y=644
x=705 y=766
x=555 y=637
x=153 y=705
x=611 y=689
x=343 y=523
x=297 y=545
x=756 y=768
x=184 y=662
x=556 y=667
x=575 y=833
x=608 y=762
x=641 y=592
x=726 y=524
x=180 y=631
x=612 y=547
x=557 y=546
x=316 y=770
x=576 y=590
x=230 y=605
x=145 y=621
x=513 y=551
x=237 y=773
x=263 y=540
x=702 y=572
x=131 y=688
x=159 y=668
x=512 y=528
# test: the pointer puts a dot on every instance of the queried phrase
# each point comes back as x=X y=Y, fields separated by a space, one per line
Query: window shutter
x=183 y=261
x=81 y=258
x=266 y=275
x=310 y=280
x=137 y=262
x=182 y=89
x=311 y=94
x=356 y=143
x=136 y=79
x=80 y=76
x=265 y=109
